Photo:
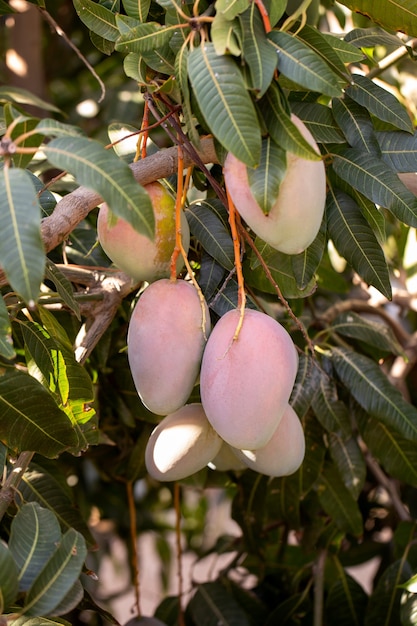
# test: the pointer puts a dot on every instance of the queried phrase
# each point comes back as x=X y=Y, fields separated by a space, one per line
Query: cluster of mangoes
x=246 y=378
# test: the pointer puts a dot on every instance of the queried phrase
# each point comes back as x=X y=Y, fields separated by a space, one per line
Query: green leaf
x=266 y=179
x=137 y=8
x=144 y=37
x=231 y=8
x=396 y=454
x=371 y=37
x=30 y=419
x=57 y=576
x=346 y=51
x=346 y=601
x=398 y=150
x=282 y=129
x=348 y=458
x=356 y=124
x=34 y=535
x=256 y=50
x=305 y=386
x=355 y=240
x=306 y=263
x=379 y=102
x=338 y=502
x=224 y=37
x=384 y=604
x=372 y=390
x=25 y=125
x=376 y=181
x=321 y=46
x=225 y=103
x=331 y=412
x=49 y=489
x=350 y=324
x=71 y=600
x=181 y=74
x=319 y=120
x=52 y=128
x=314 y=454
x=100 y=20
x=391 y=14
x=9 y=583
x=6 y=342
x=10 y=93
x=211 y=232
x=103 y=171
x=301 y=64
x=21 y=250
x=212 y=605
x=63 y=287
x=37 y=621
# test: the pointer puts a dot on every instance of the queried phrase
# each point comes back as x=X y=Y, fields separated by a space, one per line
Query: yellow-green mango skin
x=284 y=452
x=294 y=220
x=181 y=445
x=165 y=343
x=134 y=253
x=245 y=384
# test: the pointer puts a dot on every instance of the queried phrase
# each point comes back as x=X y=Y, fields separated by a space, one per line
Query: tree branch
x=75 y=206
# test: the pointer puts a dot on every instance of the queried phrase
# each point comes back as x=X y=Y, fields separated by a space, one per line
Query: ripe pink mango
x=284 y=452
x=182 y=444
x=165 y=343
x=134 y=253
x=245 y=384
x=294 y=220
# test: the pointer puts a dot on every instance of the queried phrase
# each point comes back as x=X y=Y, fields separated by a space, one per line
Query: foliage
x=217 y=77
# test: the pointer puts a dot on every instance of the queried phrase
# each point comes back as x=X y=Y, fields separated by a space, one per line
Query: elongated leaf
x=6 y=342
x=212 y=276
x=319 y=120
x=72 y=599
x=34 y=535
x=372 y=390
x=37 y=621
x=331 y=412
x=376 y=181
x=30 y=419
x=162 y=60
x=21 y=250
x=63 y=287
x=350 y=324
x=223 y=35
x=396 y=454
x=211 y=232
x=25 y=125
x=231 y=8
x=305 y=264
x=384 y=604
x=181 y=73
x=391 y=14
x=346 y=51
x=379 y=102
x=305 y=386
x=301 y=64
x=57 y=576
x=137 y=8
x=355 y=240
x=257 y=52
x=144 y=37
x=371 y=37
x=266 y=179
x=212 y=605
x=98 y=18
x=9 y=583
x=356 y=124
x=47 y=488
x=10 y=93
x=103 y=171
x=321 y=46
x=346 y=601
x=282 y=128
x=399 y=150
x=338 y=502
x=348 y=458
x=225 y=103
x=314 y=454
x=52 y=128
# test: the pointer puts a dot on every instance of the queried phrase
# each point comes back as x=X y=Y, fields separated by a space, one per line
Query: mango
x=165 y=340
x=294 y=220
x=226 y=460
x=182 y=444
x=245 y=383
x=137 y=255
x=284 y=452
